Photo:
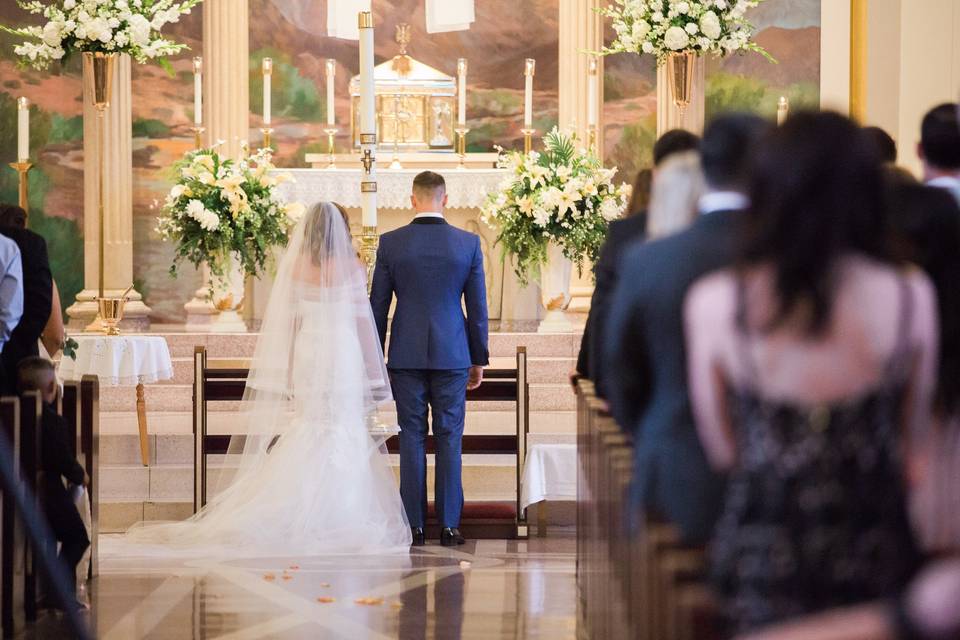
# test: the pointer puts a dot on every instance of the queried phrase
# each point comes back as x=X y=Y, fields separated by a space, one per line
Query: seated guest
x=11 y=291
x=808 y=364
x=939 y=148
x=675 y=196
x=926 y=227
x=622 y=233
x=885 y=145
x=53 y=333
x=927 y=610
x=37 y=296
x=58 y=462
x=645 y=362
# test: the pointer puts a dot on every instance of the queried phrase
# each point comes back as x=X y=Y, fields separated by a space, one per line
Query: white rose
x=657 y=16
x=710 y=25
x=676 y=39
x=51 y=34
x=139 y=30
x=69 y=4
x=692 y=28
x=640 y=30
x=177 y=191
x=720 y=4
x=610 y=209
x=647 y=47
x=682 y=7
x=294 y=211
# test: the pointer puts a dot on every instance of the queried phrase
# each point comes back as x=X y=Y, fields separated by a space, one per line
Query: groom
x=436 y=354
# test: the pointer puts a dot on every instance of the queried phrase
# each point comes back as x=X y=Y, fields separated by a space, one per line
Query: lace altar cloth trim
x=119 y=360
x=466 y=188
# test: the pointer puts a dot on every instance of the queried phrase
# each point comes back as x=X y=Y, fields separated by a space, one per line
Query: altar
x=467 y=189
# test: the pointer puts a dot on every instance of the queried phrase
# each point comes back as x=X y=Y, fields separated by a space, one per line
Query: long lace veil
x=306 y=473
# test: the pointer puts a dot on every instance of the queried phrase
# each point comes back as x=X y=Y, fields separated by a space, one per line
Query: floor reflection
x=486 y=589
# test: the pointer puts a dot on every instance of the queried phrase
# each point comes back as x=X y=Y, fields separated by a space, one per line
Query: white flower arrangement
x=563 y=195
x=108 y=26
x=662 y=27
x=220 y=207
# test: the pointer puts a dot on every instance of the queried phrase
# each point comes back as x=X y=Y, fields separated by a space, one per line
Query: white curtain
x=449 y=15
x=342 y=18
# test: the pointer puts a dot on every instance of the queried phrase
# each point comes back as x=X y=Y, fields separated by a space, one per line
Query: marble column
x=117 y=209
x=226 y=57
x=668 y=115
x=581 y=30
x=226 y=110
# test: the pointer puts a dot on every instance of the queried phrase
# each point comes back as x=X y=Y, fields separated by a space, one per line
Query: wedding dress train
x=313 y=475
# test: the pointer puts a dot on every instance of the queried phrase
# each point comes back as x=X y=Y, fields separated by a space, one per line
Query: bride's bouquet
x=563 y=195
x=662 y=27
x=107 y=26
x=220 y=209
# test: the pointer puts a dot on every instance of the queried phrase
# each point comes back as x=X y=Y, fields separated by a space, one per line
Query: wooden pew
x=12 y=584
x=642 y=584
x=80 y=407
x=31 y=408
x=479 y=519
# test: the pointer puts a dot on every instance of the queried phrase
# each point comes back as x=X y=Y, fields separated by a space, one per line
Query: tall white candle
x=368 y=122
x=592 y=84
x=783 y=110
x=23 y=129
x=462 y=92
x=198 y=91
x=331 y=76
x=267 y=90
x=528 y=71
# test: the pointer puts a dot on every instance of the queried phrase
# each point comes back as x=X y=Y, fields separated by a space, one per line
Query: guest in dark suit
x=58 y=462
x=37 y=300
x=621 y=234
x=436 y=354
x=645 y=358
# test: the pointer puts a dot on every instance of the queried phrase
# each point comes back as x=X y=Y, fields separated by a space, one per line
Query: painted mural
x=293 y=33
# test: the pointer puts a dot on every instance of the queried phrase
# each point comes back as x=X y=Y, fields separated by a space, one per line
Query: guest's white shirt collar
x=945 y=182
x=429 y=214
x=722 y=201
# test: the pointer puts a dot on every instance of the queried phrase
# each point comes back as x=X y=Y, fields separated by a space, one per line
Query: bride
x=313 y=478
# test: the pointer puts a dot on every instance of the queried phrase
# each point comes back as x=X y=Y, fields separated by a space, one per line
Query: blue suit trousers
x=445 y=393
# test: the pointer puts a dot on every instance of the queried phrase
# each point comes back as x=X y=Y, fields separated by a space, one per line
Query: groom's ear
x=413 y=201
x=444 y=202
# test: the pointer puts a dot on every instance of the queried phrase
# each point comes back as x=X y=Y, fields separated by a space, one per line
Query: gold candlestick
x=527 y=139
x=197 y=137
x=369 y=240
x=462 y=145
x=266 y=131
x=592 y=137
x=22 y=167
x=331 y=148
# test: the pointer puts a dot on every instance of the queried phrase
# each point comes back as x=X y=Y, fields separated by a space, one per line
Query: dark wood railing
x=20 y=559
x=479 y=520
x=633 y=583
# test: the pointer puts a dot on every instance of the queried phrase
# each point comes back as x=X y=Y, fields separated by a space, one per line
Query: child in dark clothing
x=57 y=461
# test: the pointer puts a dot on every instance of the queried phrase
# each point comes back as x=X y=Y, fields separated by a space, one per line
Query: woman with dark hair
x=926 y=229
x=807 y=364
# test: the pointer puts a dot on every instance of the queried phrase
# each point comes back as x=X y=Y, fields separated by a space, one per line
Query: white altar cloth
x=119 y=360
x=550 y=473
x=466 y=188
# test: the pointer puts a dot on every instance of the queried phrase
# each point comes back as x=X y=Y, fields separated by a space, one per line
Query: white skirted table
x=550 y=473
x=125 y=360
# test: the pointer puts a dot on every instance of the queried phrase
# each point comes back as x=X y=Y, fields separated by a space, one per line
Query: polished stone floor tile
x=486 y=589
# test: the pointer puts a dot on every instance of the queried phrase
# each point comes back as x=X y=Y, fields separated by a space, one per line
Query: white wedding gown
x=313 y=477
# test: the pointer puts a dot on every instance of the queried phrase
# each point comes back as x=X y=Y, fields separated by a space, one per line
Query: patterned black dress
x=815 y=514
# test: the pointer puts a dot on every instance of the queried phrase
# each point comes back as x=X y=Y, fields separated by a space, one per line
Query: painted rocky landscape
x=292 y=32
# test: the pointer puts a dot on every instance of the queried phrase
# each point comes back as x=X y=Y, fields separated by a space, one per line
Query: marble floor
x=485 y=589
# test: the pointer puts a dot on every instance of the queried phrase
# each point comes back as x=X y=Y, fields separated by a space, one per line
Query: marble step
x=173 y=449
x=181 y=422
x=551 y=369
x=178 y=397
x=116 y=517
x=240 y=345
x=485 y=477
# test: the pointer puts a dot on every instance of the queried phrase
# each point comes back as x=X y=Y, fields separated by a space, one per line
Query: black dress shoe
x=451 y=537
x=419 y=539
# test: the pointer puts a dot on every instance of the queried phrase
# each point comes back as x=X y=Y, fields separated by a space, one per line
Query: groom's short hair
x=429 y=185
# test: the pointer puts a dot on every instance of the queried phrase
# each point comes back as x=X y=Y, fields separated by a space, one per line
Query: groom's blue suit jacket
x=431 y=266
